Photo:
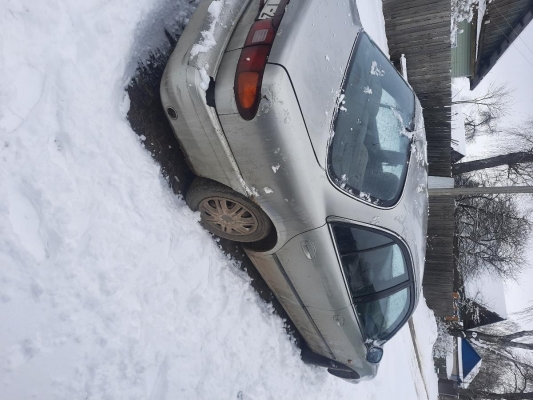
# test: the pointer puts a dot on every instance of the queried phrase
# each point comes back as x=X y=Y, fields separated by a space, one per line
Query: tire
x=309 y=357
x=226 y=213
x=344 y=374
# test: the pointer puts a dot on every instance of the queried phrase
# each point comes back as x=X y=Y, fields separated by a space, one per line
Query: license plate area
x=269 y=9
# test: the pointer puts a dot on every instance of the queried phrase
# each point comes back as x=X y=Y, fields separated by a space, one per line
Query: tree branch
x=510 y=159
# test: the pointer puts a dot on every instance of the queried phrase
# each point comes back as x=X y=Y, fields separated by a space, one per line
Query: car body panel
x=276 y=140
x=243 y=27
x=279 y=132
x=276 y=278
x=311 y=262
x=224 y=93
x=278 y=159
x=311 y=46
x=197 y=127
x=347 y=343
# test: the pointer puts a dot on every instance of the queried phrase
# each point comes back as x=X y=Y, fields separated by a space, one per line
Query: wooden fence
x=420 y=29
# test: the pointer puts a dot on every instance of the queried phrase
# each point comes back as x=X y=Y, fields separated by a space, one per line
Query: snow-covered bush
x=444 y=343
x=461 y=10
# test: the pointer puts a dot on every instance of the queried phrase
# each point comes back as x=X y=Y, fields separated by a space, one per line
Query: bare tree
x=478 y=122
x=506 y=370
x=483 y=112
x=505 y=373
x=483 y=394
x=526 y=315
x=516 y=159
x=519 y=165
x=502 y=375
x=505 y=340
x=497 y=98
x=491 y=232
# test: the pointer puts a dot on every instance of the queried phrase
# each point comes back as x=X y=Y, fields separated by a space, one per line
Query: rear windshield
x=369 y=152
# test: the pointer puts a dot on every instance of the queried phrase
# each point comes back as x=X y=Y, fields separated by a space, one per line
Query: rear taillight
x=248 y=79
x=252 y=62
x=261 y=32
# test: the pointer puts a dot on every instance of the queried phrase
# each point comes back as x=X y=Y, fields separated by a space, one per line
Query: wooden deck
x=420 y=29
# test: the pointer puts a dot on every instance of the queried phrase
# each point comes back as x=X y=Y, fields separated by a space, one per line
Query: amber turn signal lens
x=247 y=83
x=248 y=79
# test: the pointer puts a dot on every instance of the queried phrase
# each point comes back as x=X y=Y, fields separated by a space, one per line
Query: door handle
x=309 y=249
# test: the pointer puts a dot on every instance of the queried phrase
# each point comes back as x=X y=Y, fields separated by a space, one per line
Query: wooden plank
x=420 y=29
x=390 y=9
x=404 y=21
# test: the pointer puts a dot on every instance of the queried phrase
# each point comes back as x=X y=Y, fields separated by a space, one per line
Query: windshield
x=369 y=152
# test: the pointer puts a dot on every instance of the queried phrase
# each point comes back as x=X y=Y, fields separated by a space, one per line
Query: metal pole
x=458 y=191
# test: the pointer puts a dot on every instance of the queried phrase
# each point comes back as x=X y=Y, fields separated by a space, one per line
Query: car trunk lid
x=314 y=43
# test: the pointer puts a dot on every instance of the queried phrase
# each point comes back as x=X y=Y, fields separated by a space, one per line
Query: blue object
x=470 y=358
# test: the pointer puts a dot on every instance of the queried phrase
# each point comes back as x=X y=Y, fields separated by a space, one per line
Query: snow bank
x=108 y=287
x=426 y=335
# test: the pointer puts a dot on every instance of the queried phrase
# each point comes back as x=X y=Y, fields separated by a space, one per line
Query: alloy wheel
x=228 y=216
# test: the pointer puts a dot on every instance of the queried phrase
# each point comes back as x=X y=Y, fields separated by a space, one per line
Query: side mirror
x=374 y=354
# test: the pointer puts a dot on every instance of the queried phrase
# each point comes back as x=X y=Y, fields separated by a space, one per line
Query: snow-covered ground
x=109 y=288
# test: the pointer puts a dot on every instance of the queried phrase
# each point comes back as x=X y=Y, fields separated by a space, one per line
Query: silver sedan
x=310 y=149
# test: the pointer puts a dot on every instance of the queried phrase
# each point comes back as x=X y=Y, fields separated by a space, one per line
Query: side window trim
x=383 y=293
x=369 y=249
x=408 y=314
x=332 y=221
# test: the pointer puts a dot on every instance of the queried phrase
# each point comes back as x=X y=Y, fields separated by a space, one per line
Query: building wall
x=461 y=52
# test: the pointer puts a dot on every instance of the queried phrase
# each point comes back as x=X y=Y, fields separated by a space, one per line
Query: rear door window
x=381 y=317
x=372 y=262
x=378 y=276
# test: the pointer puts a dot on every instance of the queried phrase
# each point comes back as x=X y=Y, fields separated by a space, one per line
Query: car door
x=311 y=265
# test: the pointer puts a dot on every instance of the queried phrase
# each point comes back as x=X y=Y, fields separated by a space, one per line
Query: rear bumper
x=183 y=88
